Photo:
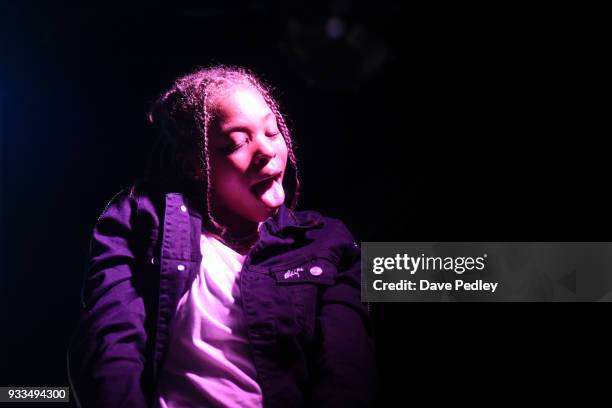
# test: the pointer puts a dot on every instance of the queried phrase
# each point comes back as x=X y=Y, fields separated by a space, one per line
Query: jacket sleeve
x=345 y=373
x=106 y=354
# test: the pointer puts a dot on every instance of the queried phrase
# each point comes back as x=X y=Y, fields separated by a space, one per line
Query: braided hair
x=182 y=116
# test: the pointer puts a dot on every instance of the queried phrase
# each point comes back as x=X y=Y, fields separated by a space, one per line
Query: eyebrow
x=241 y=128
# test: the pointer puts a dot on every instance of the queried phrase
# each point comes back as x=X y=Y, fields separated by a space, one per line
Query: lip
x=266 y=177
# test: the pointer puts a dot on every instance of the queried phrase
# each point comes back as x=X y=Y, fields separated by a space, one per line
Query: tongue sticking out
x=270 y=192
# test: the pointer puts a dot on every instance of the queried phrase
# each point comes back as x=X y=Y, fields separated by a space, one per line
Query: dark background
x=411 y=125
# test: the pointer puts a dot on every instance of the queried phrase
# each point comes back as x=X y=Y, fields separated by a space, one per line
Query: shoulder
x=330 y=225
x=328 y=233
x=138 y=204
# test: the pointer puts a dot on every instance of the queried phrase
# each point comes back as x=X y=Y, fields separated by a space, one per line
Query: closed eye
x=236 y=143
x=231 y=148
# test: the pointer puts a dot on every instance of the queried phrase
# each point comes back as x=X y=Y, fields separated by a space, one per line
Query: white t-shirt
x=209 y=359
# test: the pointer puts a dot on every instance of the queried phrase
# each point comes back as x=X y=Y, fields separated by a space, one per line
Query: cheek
x=226 y=174
x=283 y=153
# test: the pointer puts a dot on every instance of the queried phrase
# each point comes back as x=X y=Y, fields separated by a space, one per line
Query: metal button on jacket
x=316 y=270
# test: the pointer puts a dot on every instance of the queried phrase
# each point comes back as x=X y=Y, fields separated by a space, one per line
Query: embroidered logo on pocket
x=293 y=273
x=316 y=270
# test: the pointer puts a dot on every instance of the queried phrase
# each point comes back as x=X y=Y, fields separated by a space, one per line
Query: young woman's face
x=248 y=156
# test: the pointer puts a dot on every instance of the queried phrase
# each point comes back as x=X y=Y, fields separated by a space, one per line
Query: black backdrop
x=411 y=125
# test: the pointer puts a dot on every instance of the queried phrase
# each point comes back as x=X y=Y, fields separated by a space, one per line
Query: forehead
x=241 y=104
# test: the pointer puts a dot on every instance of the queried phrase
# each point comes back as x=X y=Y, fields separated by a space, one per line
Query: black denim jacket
x=300 y=285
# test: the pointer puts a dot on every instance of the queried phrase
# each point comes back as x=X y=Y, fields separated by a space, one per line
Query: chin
x=265 y=213
x=250 y=209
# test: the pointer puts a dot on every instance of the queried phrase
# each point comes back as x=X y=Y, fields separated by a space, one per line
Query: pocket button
x=316 y=271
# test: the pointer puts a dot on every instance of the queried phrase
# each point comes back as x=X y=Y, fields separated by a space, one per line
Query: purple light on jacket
x=310 y=334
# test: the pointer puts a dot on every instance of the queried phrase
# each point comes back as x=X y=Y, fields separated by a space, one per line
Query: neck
x=239 y=234
x=235 y=226
x=241 y=242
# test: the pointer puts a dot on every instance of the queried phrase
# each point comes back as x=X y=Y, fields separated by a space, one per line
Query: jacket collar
x=285 y=221
x=284 y=229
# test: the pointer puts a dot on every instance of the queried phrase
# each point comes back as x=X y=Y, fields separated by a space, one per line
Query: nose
x=264 y=151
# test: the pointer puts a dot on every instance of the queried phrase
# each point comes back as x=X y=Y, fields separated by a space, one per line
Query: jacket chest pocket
x=303 y=284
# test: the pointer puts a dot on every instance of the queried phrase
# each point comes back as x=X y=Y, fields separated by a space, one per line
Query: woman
x=204 y=288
